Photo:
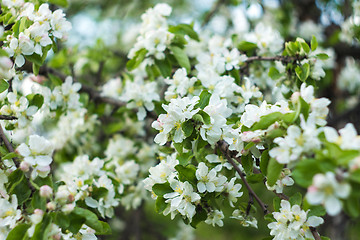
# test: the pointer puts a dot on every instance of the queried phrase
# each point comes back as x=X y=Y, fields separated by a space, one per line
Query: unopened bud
x=46 y=191
x=295 y=97
x=24 y=166
x=51 y=206
x=68 y=208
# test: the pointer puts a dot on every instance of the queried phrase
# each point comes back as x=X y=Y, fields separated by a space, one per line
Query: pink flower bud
x=38 y=212
x=68 y=208
x=295 y=97
x=46 y=191
x=24 y=166
x=5 y=62
x=51 y=206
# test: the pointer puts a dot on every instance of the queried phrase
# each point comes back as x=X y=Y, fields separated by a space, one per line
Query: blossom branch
x=224 y=149
x=8 y=145
x=284 y=59
x=7 y=117
x=212 y=12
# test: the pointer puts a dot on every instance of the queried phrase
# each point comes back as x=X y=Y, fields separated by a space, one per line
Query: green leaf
x=181 y=57
x=187 y=173
x=204 y=100
x=61 y=3
x=322 y=56
x=274 y=74
x=187 y=127
x=246 y=46
x=313 y=43
x=317 y=211
x=236 y=75
x=62 y=220
x=273 y=171
x=35 y=58
x=9 y=156
x=276 y=204
x=160 y=204
x=100 y=192
x=200 y=216
x=352 y=206
x=42 y=228
x=355 y=176
x=184 y=29
x=35 y=100
x=136 y=60
x=19 y=232
x=254 y=178
x=307 y=168
x=90 y=218
x=179 y=147
x=264 y=161
x=162 y=188
x=164 y=67
x=36 y=69
x=185 y=158
x=4 y=85
x=205 y=117
x=106 y=230
x=303 y=72
x=267 y=120
x=247 y=163
x=305 y=47
x=296 y=199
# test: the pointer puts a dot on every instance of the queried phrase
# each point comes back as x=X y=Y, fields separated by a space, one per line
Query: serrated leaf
x=303 y=72
x=322 y=56
x=264 y=161
x=246 y=46
x=187 y=173
x=276 y=204
x=90 y=218
x=184 y=29
x=187 y=127
x=247 y=163
x=160 y=204
x=200 y=216
x=296 y=199
x=164 y=67
x=204 y=100
x=314 y=43
x=267 y=120
x=305 y=47
x=274 y=74
x=4 y=85
x=19 y=232
x=162 y=188
x=206 y=118
x=136 y=60
x=61 y=3
x=317 y=211
x=181 y=57
x=273 y=171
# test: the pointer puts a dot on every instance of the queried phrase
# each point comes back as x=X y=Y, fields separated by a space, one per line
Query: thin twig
x=225 y=151
x=212 y=12
x=284 y=59
x=8 y=145
x=224 y=147
x=7 y=117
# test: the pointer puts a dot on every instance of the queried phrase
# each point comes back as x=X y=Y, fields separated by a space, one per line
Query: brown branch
x=225 y=150
x=224 y=147
x=8 y=145
x=212 y=12
x=7 y=117
x=284 y=59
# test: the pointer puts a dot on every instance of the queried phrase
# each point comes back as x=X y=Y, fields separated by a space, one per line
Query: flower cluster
x=44 y=26
x=292 y=223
